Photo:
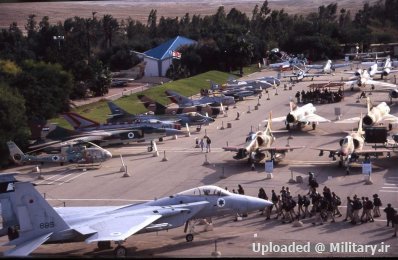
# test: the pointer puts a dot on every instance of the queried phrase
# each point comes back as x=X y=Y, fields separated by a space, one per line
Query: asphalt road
x=151 y=177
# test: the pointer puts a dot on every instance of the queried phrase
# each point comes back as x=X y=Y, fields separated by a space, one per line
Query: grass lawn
x=98 y=111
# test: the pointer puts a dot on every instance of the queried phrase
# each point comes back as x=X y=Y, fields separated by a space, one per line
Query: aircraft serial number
x=47 y=225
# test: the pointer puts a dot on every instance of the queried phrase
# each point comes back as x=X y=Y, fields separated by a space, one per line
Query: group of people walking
x=324 y=206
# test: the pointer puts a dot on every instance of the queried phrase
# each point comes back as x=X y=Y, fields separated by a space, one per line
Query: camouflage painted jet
x=183 y=101
x=159 y=109
x=192 y=119
x=258 y=143
x=138 y=131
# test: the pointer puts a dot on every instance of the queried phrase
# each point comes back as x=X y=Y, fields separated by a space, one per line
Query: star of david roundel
x=220 y=202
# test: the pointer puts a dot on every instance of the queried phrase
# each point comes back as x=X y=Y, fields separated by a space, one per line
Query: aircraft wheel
x=161 y=139
x=287 y=126
x=102 y=245
x=189 y=237
x=120 y=251
x=313 y=126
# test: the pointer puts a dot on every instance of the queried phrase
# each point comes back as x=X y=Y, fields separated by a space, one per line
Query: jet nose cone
x=108 y=155
x=254 y=204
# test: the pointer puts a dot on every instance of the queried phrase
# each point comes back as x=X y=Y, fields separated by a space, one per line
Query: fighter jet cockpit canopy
x=205 y=191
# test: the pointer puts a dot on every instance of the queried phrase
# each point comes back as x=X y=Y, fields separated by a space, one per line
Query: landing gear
x=102 y=245
x=189 y=237
x=287 y=126
x=340 y=163
x=313 y=126
x=190 y=227
x=120 y=251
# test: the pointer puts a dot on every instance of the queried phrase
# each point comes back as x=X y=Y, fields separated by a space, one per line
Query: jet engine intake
x=368 y=120
x=242 y=153
x=394 y=93
x=356 y=143
x=290 y=118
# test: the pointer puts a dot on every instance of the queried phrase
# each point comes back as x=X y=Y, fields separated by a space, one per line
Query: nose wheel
x=120 y=251
x=189 y=237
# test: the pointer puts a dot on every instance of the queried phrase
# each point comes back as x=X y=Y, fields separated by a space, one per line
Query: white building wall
x=165 y=66
x=151 y=68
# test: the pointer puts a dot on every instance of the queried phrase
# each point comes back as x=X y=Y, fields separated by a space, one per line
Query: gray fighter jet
x=33 y=222
x=193 y=118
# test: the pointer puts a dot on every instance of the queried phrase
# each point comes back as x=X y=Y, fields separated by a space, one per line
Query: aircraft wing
x=309 y=75
x=277 y=119
x=372 y=151
x=314 y=66
x=281 y=149
x=120 y=228
x=350 y=82
x=277 y=65
x=326 y=149
x=231 y=148
x=349 y=120
x=390 y=118
x=384 y=85
x=24 y=248
x=340 y=65
x=314 y=118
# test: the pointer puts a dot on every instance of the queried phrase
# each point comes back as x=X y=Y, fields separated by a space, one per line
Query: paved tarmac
x=150 y=178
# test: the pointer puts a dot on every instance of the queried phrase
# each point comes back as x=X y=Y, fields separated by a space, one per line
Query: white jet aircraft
x=375 y=115
x=328 y=67
x=381 y=68
x=301 y=115
x=301 y=74
x=363 y=77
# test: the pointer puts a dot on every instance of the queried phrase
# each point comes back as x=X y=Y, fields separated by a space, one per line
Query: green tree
x=100 y=80
x=13 y=120
x=45 y=87
x=110 y=25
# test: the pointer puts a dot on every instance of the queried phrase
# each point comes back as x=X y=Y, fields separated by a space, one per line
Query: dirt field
x=139 y=9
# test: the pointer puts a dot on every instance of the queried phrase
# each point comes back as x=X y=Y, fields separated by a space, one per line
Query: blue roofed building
x=159 y=59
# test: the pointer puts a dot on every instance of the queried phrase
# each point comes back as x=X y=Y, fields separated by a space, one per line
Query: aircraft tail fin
x=387 y=64
x=360 y=128
x=293 y=106
x=214 y=86
x=269 y=123
x=36 y=218
x=177 y=98
x=9 y=218
x=78 y=121
x=116 y=110
x=16 y=154
x=369 y=104
x=152 y=105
